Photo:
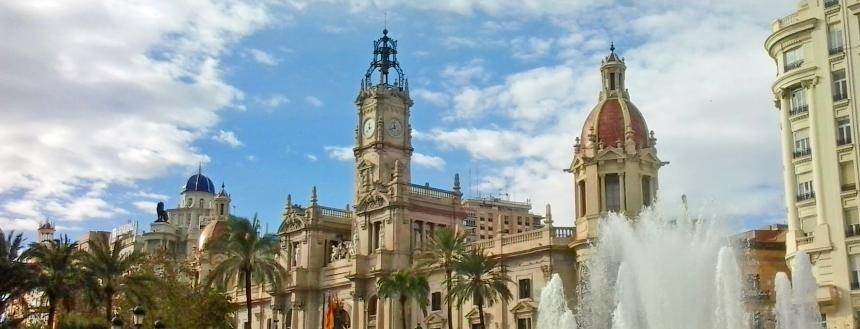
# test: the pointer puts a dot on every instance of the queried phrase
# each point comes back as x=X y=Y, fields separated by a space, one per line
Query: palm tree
x=55 y=276
x=443 y=248
x=108 y=270
x=481 y=279
x=404 y=285
x=15 y=273
x=249 y=256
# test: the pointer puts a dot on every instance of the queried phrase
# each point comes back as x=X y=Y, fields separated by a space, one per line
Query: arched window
x=188 y=204
x=221 y=209
x=371 y=306
x=201 y=203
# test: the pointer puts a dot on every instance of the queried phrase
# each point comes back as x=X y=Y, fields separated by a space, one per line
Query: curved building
x=813 y=91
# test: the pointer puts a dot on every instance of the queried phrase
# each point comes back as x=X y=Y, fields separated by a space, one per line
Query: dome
x=212 y=230
x=609 y=119
x=199 y=183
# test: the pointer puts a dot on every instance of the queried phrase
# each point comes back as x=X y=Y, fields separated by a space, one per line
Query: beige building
x=814 y=95
x=762 y=257
x=488 y=217
x=615 y=161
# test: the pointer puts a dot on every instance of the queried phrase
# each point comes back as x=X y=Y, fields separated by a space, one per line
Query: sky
x=107 y=107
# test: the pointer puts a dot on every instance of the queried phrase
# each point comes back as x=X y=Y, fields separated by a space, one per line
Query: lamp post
x=158 y=325
x=137 y=314
x=116 y=322
x=275 y=311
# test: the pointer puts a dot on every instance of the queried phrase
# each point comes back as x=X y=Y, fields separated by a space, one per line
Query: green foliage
x=405 y=285
x=108 y=271
x=443 y=249
x=55 y=276
x=77 y=321
x=249 y=257
x=479 y=278
x=178 y=302
x=14 y=272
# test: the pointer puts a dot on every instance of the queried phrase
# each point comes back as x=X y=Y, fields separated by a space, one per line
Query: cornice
x=804 y=75
x=792 y=29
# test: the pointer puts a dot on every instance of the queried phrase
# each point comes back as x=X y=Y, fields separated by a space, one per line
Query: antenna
x=386 y=20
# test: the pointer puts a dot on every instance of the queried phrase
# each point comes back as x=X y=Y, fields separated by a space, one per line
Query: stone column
x=788 y=163
x=809 y=85
x=622 y=190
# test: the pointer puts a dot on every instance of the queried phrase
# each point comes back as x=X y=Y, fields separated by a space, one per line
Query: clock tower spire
x=383 y=136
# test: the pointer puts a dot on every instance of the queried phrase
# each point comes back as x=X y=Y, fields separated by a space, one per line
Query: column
x=622 y=189
x=809 y=85
x=789 y=176
x=602 y=183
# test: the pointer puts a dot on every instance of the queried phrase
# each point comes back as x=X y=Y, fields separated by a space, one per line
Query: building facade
x=762 y=256
x=813 y=93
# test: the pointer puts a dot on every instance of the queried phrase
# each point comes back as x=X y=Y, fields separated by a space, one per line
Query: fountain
x=653 y=273
x=796 y=306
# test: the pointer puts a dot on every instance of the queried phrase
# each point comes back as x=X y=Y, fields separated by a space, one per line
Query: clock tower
x=383 y=141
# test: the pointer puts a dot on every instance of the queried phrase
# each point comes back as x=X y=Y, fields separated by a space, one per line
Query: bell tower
x=615 y=160
x=383 y=136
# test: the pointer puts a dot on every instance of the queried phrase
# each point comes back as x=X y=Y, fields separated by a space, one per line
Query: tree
x=55 y=275
x=443 y=248
x=248 y=257
x=14 y=272
x=481 y=279
x=108 y=270
x=404 y=285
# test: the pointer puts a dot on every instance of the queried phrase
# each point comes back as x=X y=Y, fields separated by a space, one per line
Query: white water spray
x=796 y=304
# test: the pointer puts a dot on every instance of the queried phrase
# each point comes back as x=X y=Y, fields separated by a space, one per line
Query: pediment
x=472 y=315
x=610 y=153
x=525 y=306
x=435 y=318
x=373 y=200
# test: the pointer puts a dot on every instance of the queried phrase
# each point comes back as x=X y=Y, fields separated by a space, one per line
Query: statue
x=335 y=250
x=162 y=215
x=296 y=253
x=381 y=238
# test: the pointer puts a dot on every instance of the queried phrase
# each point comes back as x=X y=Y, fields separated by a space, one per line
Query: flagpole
x=323 y=311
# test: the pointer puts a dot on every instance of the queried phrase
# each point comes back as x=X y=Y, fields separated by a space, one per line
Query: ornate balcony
x=792 y=65
x=803 y=152
x=836 y=50
x=795 y=110
x=806 y=196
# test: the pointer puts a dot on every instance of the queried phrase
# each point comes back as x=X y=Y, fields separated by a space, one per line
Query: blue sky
x=110 y=106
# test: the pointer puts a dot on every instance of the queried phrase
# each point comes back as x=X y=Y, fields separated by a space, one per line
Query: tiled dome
x=609 y=121
x=199 y=183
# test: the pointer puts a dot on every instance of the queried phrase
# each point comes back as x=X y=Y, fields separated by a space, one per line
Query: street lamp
x=275 y=311
x=116 y=322
x=137 y=314
x=158 y=325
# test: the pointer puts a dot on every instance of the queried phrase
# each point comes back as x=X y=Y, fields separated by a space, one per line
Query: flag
x=329 y=314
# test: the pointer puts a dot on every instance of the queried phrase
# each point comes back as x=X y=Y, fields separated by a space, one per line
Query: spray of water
x=796 y=304
x=656 y=273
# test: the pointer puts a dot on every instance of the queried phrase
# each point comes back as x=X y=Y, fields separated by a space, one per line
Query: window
x=436 y=301
x=646 y=191
x=524 y=323
x=580 y=195
x=840 y=85
x=525 y=288
x=843 y=131
x=481 y=219
x=830 y=3
x=798 y=101
x=611 y=81
x=801 y=147
x=613 y=192
x=804 y=191
x=221 y=208
x=834 y=39
x=847 y=179
x=852 y=222
x=371 y=306
x=793 y=58
x=476 y=326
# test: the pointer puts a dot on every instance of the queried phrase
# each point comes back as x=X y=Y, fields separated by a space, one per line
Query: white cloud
x=466 y=74
x=149 y=195
x=313 y=101
x=146 y=207
x=340 y=153
x=98 y=94
x=428 y=161
x=311 y=157
x=273 y=101
x=532 y=48
x=262 y=57
x=436 y=98
x=227 y=138
x=251 y=158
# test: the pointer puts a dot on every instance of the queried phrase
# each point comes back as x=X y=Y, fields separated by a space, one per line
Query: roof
x=212 y=230
x=609 y=121
x=199 y=183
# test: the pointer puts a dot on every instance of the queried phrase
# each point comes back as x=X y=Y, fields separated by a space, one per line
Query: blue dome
x=199 y=183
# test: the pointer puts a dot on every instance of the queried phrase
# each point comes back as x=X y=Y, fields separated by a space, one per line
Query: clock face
x=394 y=127
x=369 y=127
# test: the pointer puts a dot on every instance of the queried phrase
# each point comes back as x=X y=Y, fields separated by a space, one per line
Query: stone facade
x=762 y=256
x=813 y=94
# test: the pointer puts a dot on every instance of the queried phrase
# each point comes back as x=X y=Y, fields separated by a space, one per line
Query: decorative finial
x=612 y=46
x=457 y=182
x=289 y=202
x=548 y=214
x=314 y=196
x=200 y=167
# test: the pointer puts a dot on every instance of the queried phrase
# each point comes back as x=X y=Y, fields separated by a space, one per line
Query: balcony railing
x=855 y=285
x=806 y=196
x=802 y=152
x=793 y=65
x=840 y=96
x=806 y=239
x=795 y=110
x=849 y=187
x=842 y=140
x=836 y=50
x=830 y=3
x=852 y=230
